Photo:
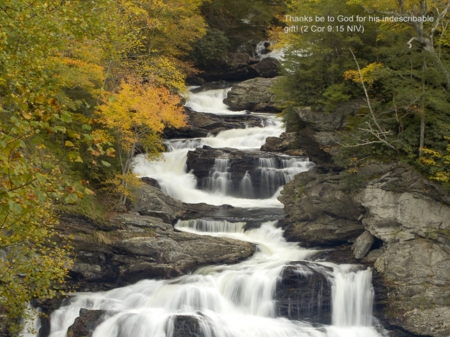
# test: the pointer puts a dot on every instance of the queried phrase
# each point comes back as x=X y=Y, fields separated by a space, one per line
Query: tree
x=37 y=65
x=138 y=113
x=412 y=13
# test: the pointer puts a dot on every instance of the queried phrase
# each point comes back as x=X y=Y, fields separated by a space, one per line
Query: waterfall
x=202 y=225
x=352 y=298
x=227 y=300
x=246 y=187
x=219 y=180
x=211 y=102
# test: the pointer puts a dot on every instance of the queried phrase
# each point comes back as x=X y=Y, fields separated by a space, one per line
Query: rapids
x=227 y=300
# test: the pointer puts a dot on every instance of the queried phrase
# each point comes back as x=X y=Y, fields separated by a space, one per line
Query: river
x=228 y=300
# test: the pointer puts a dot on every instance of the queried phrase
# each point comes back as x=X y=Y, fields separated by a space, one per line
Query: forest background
x=84 y=83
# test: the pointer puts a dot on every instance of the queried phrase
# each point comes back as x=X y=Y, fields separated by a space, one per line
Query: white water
x=211 y=102
x=171 y=172
x=228 y=300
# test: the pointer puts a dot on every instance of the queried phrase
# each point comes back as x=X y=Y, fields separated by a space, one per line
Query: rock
x=153 y=202
x=286 y=141
x=416 y=274
x=362 y=245
x=186 y=326
x=316 y=132
x=402 y=206
x=304 y=293
x=342 y=254
x=234 y=67
x=86 y=323
x=193 y=80
x=201 y=124
x=411 y=216
x=240 y=164
x=145 y=247
x=320 y=210
x=268 y=67
x=174 y=255
x=151 y=182
x=252 y=95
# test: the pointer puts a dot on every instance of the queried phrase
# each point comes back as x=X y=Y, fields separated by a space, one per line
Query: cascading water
x=219 y=180
x=225 y=300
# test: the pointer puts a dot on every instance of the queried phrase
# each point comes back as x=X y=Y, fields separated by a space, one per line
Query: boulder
x=151 y=201
x=86 y=323
x=316 y=131
x=362 y=245
x=144 y=247
x=416 y=274
x=268 y=67
x=174 y=254
x=403 y=206
x=253 y=95
x=234 y=67
x=286 y=141
x=186 y=326
x=201 y=124
x=303 y=293
x=320 y=210
x=411 y=216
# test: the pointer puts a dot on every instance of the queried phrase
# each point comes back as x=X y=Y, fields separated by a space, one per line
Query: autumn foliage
x=81 y=83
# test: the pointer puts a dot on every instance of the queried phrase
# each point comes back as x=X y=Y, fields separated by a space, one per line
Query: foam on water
x=228 y=300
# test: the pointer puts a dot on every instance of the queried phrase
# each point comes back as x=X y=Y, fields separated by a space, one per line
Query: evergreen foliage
x=404 y=82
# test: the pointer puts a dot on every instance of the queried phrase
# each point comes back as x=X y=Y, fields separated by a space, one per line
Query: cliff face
x=396 y=216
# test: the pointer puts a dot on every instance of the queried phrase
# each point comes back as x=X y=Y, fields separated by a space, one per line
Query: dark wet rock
x=86 y=323
x=286 y=141
x=320 y=211
x=193 y=80
x=201 y=124
x=186 y=326
x=4 y=326
x=304 y=293
x=340 y=255
x=362 y=245
x=175 y=254
x=203 y=162
x=316 y=131
x=151 y=182
x=268 y=67
x=253 y=95
x=144 y=247
x=234 y=67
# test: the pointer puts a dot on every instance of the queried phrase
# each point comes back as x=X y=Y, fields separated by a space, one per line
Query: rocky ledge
x=386 y=216
x=143 y=244
x=201 y=124
x=263 y=170
x=397 y=222
x=240 y=67
x=253 y=95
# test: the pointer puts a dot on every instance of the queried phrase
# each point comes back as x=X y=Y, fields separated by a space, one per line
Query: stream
x=229 y=300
